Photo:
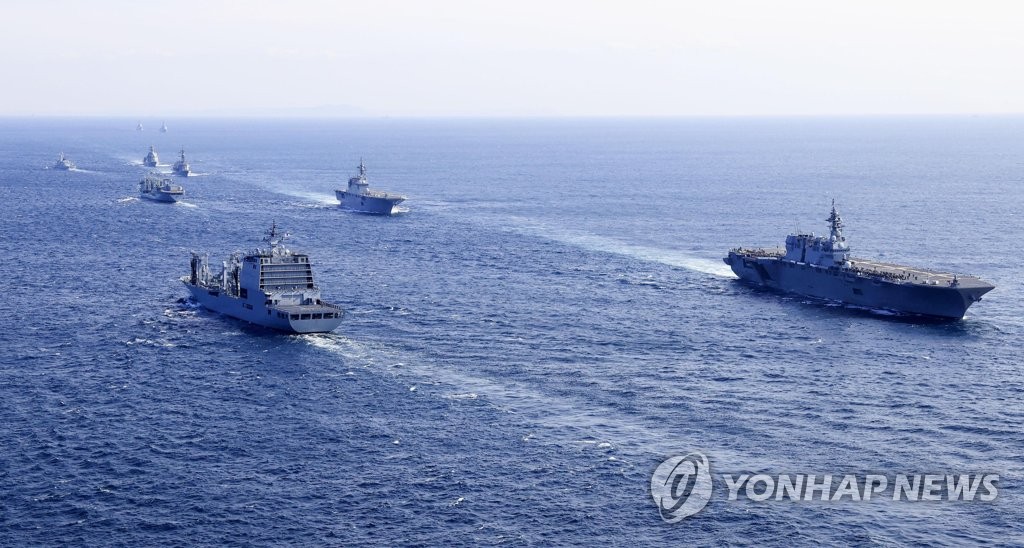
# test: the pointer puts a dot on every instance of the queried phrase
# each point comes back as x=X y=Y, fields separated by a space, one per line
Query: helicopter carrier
x=271 y=286
x=822 y=267
x=359 y=197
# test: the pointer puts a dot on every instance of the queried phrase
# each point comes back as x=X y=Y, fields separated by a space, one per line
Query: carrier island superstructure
x=822 y=267
x=272 y=287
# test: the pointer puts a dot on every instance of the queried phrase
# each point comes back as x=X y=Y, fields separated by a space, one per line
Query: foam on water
x=594 y=242
x=318 y=197
x=552 y=412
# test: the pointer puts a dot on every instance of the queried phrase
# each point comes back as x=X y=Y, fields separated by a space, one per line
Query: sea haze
x=548 y=321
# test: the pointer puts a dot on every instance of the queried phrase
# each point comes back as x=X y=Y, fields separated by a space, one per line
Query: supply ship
x=272 y=287
x=153 y=187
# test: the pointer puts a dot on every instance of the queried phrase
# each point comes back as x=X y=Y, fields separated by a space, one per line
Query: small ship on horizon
x=821 y=267
x=359 y=197
x=272 y=287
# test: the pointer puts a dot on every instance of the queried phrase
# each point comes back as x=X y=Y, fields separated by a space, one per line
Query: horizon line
x=311 y=116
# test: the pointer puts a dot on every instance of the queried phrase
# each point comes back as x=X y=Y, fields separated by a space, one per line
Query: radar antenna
x=274 y=237
x=835 y=223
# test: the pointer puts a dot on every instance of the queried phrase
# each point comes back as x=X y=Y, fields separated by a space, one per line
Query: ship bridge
x=272 y=273
x=826 y=251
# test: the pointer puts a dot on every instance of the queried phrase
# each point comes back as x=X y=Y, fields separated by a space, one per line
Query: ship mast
x=274 y=238
x=835 y=224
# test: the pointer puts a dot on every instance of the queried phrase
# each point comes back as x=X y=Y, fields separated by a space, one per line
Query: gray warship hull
x=310 y=318
x=376 y=205
x=63 y=164
x=163 y=197
x=869 y=284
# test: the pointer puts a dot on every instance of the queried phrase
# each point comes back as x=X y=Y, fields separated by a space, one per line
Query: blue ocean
x=547 y=320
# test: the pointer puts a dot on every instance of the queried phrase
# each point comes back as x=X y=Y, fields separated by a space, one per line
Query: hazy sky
x=512 y=57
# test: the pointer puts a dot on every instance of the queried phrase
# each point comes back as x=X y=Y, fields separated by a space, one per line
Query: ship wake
x=671 y=257
x=314 y=196
x=569 y=416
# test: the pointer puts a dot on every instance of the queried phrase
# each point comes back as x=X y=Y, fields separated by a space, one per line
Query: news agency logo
x=681 y=486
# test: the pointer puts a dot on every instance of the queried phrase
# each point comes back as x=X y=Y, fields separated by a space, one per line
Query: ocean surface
x=548 y=320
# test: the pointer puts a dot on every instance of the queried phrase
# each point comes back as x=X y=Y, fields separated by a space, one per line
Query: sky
x=510 y=58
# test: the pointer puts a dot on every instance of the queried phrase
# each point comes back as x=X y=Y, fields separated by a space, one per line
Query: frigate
x=272 y=287
x=63 y=163
x=163 y=128
x=138 y=127
x=359 y=197
x=151 y=159
x=822 y=267
x=153 y=187
x=181 y=167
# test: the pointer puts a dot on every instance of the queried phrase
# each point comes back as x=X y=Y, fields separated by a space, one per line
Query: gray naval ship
x=181 y=167
x=63 y=163
x=153 y=187
x=359 y=197
x=272 y=287
x=151 y=159
x=821 y=267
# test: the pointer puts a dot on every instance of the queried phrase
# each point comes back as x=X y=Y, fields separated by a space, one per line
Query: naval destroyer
x=822 y=267
x=152 y=187
x=272 y=287
x=359 y=197
x=151 y=159
x=63 y=163
x=181 y=167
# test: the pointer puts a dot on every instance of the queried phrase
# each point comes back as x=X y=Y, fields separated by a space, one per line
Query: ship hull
x=367 y=204
x=937 y=301
x=161 y=197
x=149 y=164
x=261 y=315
